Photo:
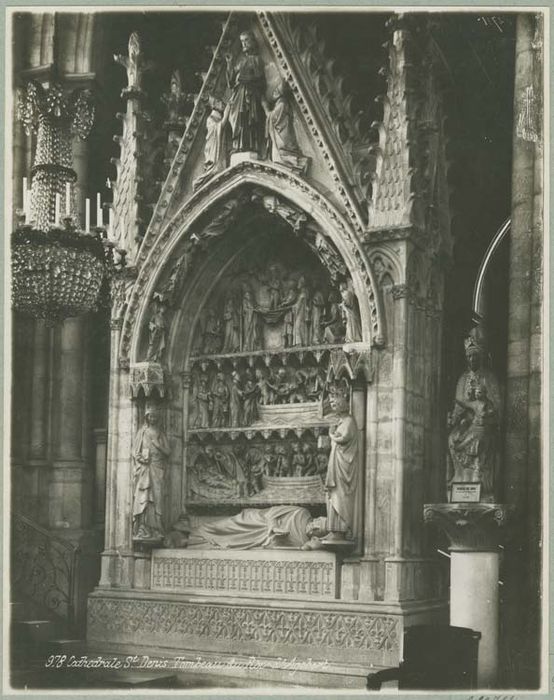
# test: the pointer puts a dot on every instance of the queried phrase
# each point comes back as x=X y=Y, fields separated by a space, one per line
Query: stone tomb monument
x=272 y=354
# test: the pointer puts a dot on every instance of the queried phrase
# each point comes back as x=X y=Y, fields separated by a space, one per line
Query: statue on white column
x=151 y=456
x=474 y=421
x=341 y=482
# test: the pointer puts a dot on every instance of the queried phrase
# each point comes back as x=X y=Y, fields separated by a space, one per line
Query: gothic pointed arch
x=186 y=227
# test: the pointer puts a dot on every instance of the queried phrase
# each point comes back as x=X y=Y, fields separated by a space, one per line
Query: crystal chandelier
x=57 y=267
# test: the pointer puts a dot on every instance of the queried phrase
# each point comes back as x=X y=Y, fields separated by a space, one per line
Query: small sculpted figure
x=220 y=398
x=301 y=312
x=231 y=326
x=156 y=333
x=351 y=315
x=333 y=323
x=318 y=309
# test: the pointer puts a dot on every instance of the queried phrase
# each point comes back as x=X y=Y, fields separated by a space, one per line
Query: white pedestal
x=474 y=604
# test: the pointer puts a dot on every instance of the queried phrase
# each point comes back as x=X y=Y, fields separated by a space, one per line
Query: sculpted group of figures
x=285 y=303
x=250 y=120
x=232 y=400
x=474 y=422
x=239 y=471
x=228 y=472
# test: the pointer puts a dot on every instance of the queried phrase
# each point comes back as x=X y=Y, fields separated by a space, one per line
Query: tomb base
x=327 y=643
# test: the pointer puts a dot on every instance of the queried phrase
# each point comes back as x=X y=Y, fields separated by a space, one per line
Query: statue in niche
x=283 y=145
x=246 y=79
x=341 y=481
x=235 y=401
x=298 y=460
x=351 y=316
x=282 y=388
x=151 y=454
x=274 y=286
x=202 y=399
x=176 y=101
x=317 y=312
x=269 y=461
x=156 y=331
x=281 y=526
x=333 y=322
x=288 y=302
x=298 y=393
x=264 y=388
x=301 y=314
x=178 y=273
x=231 y=326
x=212 y=333
x=250 y=401
x=315 y=383
x=474 y=422
x=249 y=319
x=310 y=466
x=255 y=469
x=282 y=463
x=217 y=140
x=220 y=402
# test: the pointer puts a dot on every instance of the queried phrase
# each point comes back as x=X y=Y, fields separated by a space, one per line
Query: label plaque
x=466 y=492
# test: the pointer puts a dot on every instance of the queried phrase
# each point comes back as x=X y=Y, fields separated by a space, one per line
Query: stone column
x=39 y=397
x=521 y=615
x=473 y=530
x=100 y=442
x=117 y=557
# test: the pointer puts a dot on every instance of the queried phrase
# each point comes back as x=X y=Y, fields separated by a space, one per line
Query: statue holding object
x=341 y=481
x=473 y=448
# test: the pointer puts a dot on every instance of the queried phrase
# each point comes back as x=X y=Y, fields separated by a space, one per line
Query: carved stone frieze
x=327 y=634
x=282 y=574
x=469 y=526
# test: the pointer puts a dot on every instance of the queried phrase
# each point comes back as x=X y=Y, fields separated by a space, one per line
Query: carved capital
x=470 y=527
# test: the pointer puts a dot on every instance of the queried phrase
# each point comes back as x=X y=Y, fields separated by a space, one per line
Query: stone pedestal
x=474 y=533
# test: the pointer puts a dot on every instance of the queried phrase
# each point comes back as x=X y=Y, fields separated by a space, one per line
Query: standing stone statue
x=351 y=315
x=318 y=309
x=301 y=315
x=473 y=440
x=220 y=398
x=217 y=144
x=341 y=482
x=288 y=301
x=156 y=333
x=231 y=326
x=151 y=455
x=283 y=146
x=246 y=79
x=235 y=401
x=249 y=320
x=332 y=324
